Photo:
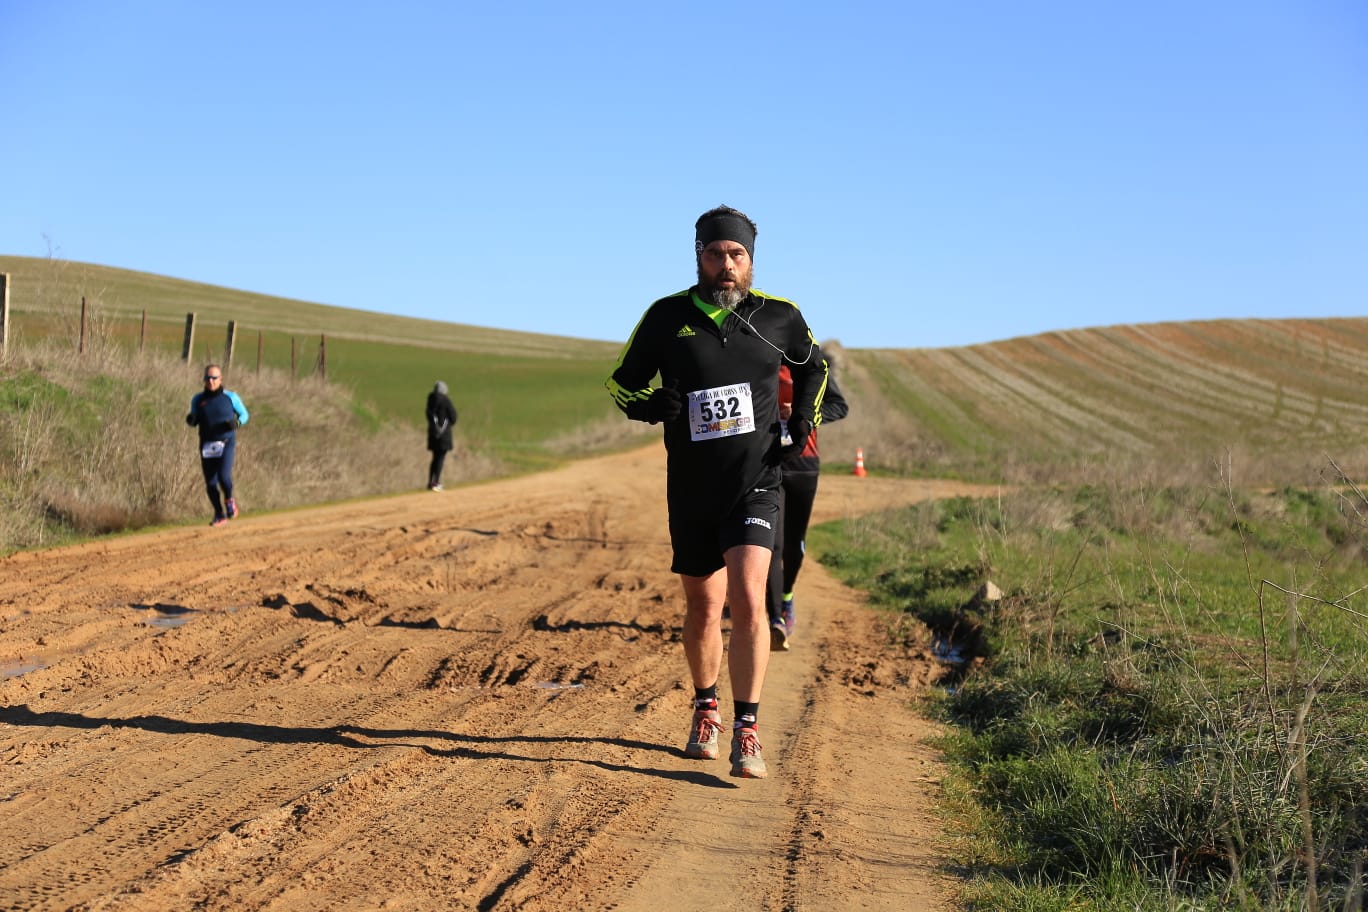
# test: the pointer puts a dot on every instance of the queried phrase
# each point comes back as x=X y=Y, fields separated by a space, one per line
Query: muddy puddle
x=17 y=669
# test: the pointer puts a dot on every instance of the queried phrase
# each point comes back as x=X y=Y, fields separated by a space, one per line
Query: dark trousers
x=218 y=474
x=435 y=469
x=797 y=492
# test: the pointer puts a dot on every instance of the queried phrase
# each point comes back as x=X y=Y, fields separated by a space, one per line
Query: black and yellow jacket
x=697 y=347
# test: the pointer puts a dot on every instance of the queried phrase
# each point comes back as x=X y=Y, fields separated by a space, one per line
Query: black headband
x=726 y=228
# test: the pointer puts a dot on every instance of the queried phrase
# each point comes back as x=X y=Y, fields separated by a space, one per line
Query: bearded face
x=725 y=273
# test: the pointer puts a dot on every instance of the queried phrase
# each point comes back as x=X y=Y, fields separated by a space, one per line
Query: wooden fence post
x=258 y=369
x=323 y=357
x=80 y=346
x=188 y=347
x=230 y=345
x=142 y=333
x=4 y=313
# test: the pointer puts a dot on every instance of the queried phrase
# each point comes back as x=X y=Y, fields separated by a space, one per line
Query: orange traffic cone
x=859 y=462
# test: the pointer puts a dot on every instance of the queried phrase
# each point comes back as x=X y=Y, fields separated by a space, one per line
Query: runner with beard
x=717 y=347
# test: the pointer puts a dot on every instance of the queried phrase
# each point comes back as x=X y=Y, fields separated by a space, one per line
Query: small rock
x=988 y=592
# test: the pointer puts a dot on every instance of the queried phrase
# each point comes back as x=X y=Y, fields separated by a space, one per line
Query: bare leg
x=747 y=569
x=703 y=598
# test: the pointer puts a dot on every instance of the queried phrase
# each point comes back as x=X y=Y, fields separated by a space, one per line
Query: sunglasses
x=212 y=377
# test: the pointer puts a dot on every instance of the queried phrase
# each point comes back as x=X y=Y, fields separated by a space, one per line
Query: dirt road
x=468 y=700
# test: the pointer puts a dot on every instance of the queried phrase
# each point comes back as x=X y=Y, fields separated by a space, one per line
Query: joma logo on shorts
x=757 y=521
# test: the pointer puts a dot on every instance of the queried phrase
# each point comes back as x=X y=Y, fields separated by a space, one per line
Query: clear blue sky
x=923 y=174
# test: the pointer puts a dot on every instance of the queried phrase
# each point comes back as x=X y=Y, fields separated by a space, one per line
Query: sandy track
x=473 y=700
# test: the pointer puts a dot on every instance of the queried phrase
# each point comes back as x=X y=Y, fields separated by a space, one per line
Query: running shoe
x=703 y=735
x=745 y=754
x=790 y=619
x=232 y=508
x=434 y=487
x=219 y=521
x=778 y=637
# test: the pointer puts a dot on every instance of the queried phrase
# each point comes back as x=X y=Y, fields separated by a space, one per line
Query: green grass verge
x=1169 y=707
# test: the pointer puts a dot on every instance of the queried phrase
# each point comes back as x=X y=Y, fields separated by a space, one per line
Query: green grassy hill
x=526 y=397
x=1265 y=397
x=91 y=432
x=44 y=288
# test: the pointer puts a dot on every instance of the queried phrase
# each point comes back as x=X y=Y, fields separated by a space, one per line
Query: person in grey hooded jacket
x=441 y=418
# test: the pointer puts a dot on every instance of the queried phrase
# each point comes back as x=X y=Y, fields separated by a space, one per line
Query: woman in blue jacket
x=218 y=413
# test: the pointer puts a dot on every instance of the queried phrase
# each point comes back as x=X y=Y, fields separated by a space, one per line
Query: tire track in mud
x=535 y=831
x=170 y=799
x=473 y=772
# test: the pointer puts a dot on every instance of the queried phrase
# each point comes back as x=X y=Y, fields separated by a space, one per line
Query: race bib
x=723 y=411
x=213 y=449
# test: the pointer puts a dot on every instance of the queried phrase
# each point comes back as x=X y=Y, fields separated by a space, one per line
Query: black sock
x=746 y=714
x=705 y=697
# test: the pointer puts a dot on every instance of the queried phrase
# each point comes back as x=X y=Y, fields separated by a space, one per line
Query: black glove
x=663 y=404
x=798 y=429
x=224 y=427
x=190 y=419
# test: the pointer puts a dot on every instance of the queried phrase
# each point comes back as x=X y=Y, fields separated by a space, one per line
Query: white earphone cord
x=760 y=336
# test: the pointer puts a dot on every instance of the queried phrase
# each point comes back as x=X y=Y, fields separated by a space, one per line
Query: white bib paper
x=212 y=449
x=723 y=411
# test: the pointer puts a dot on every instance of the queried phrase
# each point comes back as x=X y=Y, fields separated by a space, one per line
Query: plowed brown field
x=468 y=700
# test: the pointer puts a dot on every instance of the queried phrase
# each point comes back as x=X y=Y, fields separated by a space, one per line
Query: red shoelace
x=702 y=723
x=750 y=741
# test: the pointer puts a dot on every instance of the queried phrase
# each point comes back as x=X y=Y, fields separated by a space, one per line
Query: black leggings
x=435 y=469
x=797 y=492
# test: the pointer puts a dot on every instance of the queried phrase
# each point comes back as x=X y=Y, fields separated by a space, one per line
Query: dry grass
x=97 y=442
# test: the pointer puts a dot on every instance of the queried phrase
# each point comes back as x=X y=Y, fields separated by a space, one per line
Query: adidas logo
x=685 y=332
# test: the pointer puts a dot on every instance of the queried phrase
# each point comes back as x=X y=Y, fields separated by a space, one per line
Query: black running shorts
x=700 y=536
